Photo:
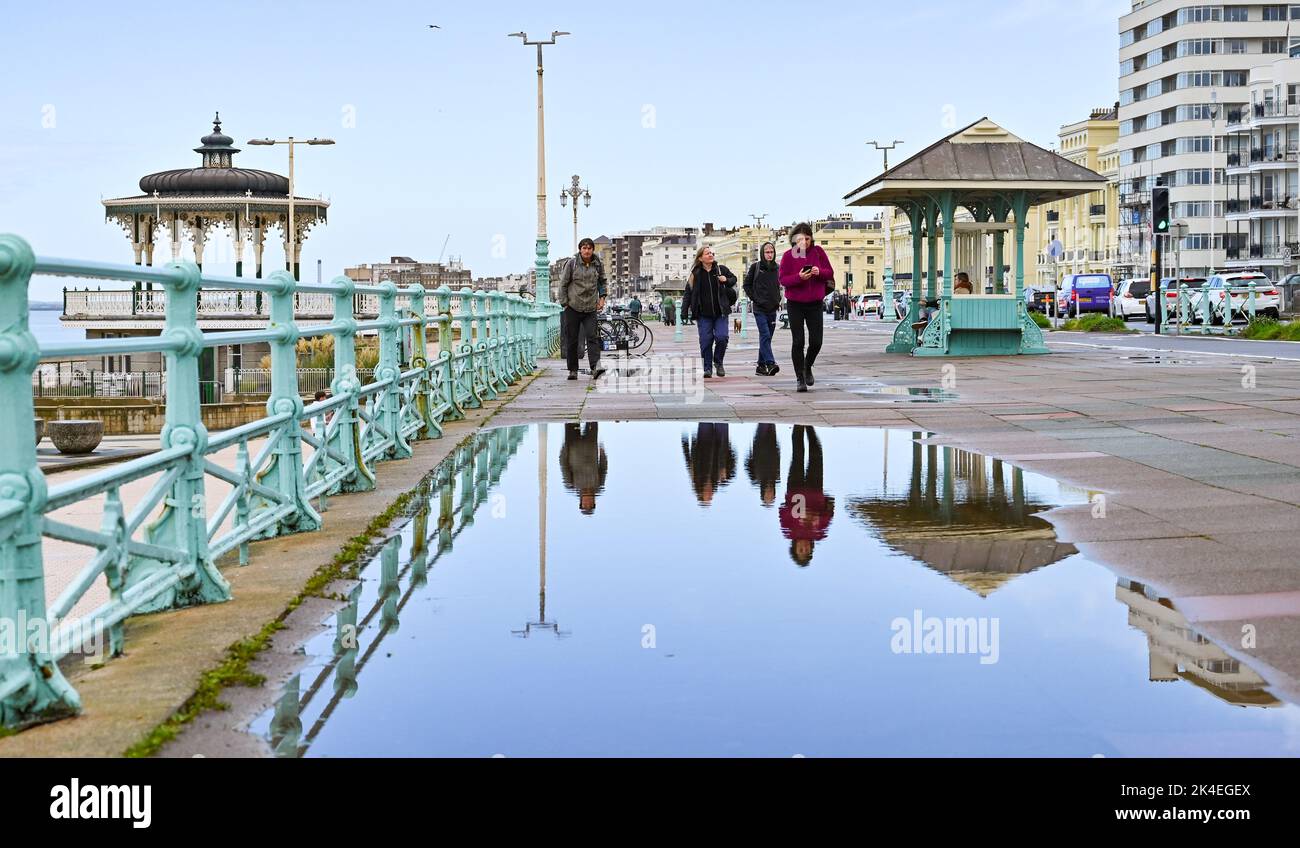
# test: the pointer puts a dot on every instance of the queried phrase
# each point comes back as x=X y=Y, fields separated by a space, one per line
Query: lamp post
x=1214 y=142
x=577 y=193
x=885 y=148
x=543 y=264
x=293 y=233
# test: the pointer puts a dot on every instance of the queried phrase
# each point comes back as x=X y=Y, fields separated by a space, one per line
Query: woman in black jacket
x=713 y=293
x=763 y=288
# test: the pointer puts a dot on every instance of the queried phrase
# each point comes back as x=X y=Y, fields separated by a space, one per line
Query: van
x=1082 y=293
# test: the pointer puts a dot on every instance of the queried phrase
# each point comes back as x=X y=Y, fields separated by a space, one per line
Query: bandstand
x=194 y=202
x=996 y=177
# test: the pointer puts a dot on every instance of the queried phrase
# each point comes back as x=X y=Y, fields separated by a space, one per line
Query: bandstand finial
x=216 y=122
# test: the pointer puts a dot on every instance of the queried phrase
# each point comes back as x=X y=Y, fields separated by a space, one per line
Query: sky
x=672 y=113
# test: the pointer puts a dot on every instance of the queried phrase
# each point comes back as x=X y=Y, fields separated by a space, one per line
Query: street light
x=293 y=234
x=577 y=194
x=543 y=265
x=885 y=148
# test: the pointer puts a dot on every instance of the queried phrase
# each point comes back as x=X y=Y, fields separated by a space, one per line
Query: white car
x=1130 y=299
x=1235 y=285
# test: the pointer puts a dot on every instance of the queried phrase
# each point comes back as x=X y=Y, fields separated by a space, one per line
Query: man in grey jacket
x=582 y=294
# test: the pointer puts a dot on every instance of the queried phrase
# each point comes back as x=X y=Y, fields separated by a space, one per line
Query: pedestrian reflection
x=807 y=511
x=764 y=463
x=710 y=460
x=583 y=464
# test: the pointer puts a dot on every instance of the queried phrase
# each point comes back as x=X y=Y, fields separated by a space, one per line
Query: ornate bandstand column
x=259 y=244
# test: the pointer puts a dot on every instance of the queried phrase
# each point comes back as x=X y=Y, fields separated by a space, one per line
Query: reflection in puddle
x=965 y=516
x=1177 y=652
x=909 y=394
x=714 y=603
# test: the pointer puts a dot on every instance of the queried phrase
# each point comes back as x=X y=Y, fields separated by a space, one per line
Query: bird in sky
x=434 y=26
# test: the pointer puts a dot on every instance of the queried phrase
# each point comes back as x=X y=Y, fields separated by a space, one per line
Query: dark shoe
x=722 y=372
x=762 y=371
x=708 y=375
x=808 y=377
x=802 y=387
x=773 y=369
x=597 y=373
x=573 y=375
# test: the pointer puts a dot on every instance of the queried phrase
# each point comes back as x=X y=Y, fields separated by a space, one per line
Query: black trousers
x=580 y=327
x=801 y=314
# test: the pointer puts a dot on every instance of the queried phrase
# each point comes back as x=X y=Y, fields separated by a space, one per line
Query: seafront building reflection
x=1178 y=652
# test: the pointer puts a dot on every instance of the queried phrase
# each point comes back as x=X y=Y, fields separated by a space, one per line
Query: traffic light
x=1160 y=210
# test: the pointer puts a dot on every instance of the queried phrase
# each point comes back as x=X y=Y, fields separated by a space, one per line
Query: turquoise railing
x=160 y=551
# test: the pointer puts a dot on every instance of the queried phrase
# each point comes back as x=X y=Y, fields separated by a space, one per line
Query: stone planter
x=75 y=437
x=40 y=429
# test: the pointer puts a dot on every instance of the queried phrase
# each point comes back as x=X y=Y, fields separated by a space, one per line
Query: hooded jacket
x=762 y=282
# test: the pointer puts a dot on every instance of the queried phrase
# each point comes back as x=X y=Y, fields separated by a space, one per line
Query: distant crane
x=444 y=248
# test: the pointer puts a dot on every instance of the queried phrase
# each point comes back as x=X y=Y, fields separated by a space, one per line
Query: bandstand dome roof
x=217 y=175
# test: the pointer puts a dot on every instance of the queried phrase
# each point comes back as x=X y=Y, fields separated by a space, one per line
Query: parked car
x=869 y=304
x=1235 y=285
x=1082 y=293
x=1130 y=298
x=1040 y=300
x=1170 y=286
x=902 y=302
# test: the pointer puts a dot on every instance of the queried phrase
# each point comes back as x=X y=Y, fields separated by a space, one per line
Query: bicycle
x=624 y=333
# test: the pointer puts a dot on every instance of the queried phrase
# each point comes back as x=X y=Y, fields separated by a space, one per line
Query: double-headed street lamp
x=577 y=193
x=543 y=263
x=293 y=234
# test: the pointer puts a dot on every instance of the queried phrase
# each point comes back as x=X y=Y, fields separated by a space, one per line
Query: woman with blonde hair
x=712 y=294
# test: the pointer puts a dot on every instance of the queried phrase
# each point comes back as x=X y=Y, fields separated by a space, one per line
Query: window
x=1275 y=13
x=1274 y=45
x=1236 y=13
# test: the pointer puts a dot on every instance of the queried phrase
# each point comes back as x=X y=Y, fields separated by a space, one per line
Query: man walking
x=763 y=288
x=582 y=294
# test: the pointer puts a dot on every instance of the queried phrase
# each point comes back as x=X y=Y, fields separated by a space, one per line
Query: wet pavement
x=662 y=588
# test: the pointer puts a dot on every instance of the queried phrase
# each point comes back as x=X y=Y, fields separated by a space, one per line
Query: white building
x=667 y=259
x=1178 y=62
x=1261 y=145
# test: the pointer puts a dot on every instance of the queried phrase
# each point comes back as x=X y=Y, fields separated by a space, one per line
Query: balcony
x=1235 y=116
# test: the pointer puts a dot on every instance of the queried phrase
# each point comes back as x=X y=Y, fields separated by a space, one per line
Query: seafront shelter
x=997 y=178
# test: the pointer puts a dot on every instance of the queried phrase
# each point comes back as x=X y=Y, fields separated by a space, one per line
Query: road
x=1143 y=339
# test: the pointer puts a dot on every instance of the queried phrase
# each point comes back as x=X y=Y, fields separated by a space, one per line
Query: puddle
x=667 y=588
x=909 y=394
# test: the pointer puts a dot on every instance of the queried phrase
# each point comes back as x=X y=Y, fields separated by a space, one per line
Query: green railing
x=1208 y=311
x=160 y=550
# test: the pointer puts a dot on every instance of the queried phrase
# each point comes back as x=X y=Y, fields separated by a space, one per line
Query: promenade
x=1191 y=460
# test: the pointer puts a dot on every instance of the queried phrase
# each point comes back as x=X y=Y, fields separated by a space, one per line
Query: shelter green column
x=947 y=208
x=932 y=263
x=1020 y=208
x=904 y=340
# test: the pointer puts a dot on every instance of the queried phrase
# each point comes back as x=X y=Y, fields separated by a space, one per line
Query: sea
x=45 y=325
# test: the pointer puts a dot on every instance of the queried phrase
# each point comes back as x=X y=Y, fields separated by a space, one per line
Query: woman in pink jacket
x=806 y=274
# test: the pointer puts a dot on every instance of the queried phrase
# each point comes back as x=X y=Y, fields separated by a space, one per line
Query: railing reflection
x=476 y=466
